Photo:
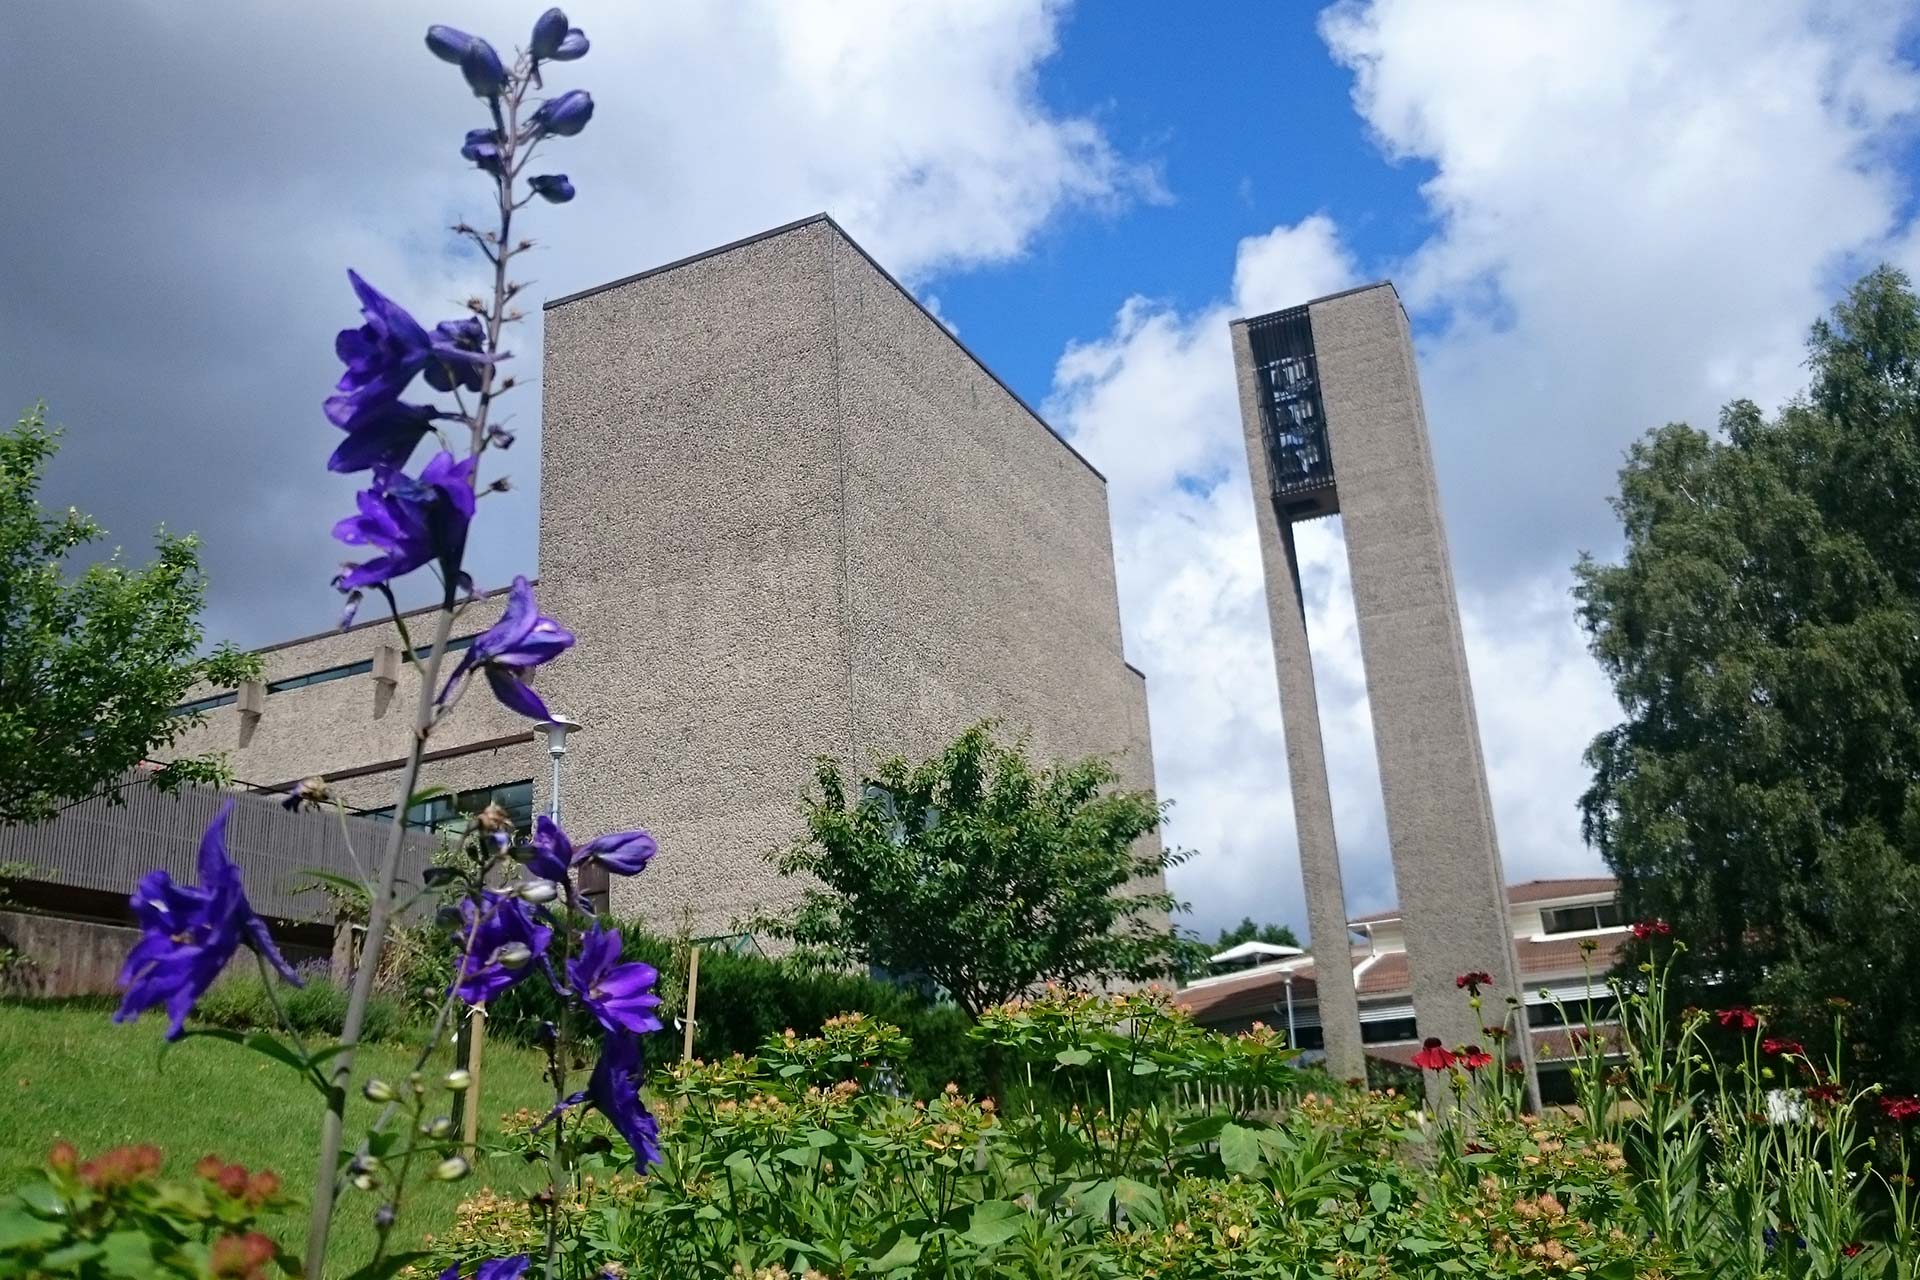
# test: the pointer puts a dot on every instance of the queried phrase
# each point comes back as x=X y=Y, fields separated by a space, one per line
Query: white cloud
x=255 y=155
x=1639 y=208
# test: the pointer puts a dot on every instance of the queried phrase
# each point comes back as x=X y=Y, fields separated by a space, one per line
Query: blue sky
x=1601 y=214
x=1250 y=125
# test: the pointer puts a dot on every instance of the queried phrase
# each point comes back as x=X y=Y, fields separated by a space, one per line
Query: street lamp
x=593 y=877
x=557 y=730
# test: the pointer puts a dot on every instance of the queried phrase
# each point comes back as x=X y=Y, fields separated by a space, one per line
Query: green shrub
x=742 y=1000
x=240 y=1002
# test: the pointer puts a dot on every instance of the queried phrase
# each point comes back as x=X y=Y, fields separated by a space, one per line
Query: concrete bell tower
x=1330 y=403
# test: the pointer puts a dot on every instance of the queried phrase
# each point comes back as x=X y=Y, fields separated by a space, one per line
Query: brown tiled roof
x=1262 y=991
x=1528 y=891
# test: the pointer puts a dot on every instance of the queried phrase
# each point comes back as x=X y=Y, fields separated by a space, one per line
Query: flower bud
x=452 y=1169
x=377 y=1091
x=552 y=187
x=448 y=44
x=458 y=1080
x=549 y=29
x=573 y=46
x=383 y=1218
x=512 y=955
x=362 y=1181
x=565 y=115
x=438 y=1127
x=417 y=1083
x=539 y=891
x=481 y=66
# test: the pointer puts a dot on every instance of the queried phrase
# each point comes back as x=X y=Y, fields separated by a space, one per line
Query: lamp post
x=1293 y=1041
x=592 y=877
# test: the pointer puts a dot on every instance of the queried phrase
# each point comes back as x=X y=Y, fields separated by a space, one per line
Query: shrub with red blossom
x=1473 y=1057
x=1739 y=1019
x=1472 y=982
x=1782 y=1048
x=1899 y=1109
x=1433 y=1056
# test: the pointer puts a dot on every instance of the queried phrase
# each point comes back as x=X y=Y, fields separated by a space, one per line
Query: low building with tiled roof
x=1567 y=934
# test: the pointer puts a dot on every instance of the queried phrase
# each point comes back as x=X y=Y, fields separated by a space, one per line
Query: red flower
x=1783 y=1047
x=1900 y=1109
x=1742 y=1019
x=1848 y=1251
x=1433 y=1056
x=1473 y=1057
x=1495 y=1034
x=1472 y=982
x=1828 y=1093
x=1644 y=929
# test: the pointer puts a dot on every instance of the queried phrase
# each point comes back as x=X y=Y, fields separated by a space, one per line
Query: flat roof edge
x=1325 y=297
x=873 y=262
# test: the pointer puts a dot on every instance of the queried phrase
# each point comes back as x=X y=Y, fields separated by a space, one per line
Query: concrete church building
x=788 y=515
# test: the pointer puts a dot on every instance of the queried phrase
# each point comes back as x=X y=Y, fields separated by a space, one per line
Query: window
x=1546 y=1015
x=205 y=704
x=1581 y=919
x=1388 y=1031
x=320 y=677
x=444 y=810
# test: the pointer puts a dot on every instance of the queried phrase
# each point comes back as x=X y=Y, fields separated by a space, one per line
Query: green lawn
x=68 y=1072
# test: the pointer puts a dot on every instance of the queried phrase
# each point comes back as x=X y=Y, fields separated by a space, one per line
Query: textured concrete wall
x=348 y=724
x=788 y=517
x=80 y=957
x=1439 y=815
x=1306 y=752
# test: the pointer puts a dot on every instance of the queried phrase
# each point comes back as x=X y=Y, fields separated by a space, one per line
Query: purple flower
x=552 y=851
x=505 y=943
x=453 y=339
x=620 y=995
x=624 y=853
x=415 y=522
x=523 y=639
x=189 y=933
x=574 y=46
x=448 y=44
x=549 y=29
x=552 y=186
x=382 y=356
x=383 y=433
x=481 y=66
x=493 y=1269
x=565 y=115
x=614 y=1091
x=483 y=148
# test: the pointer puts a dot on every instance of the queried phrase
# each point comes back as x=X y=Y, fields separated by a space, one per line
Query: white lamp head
x=557 y=730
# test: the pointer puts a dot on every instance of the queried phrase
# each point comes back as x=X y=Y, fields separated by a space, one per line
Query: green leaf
x=1142 y=1202
x=73 y=1257
x=1239 y=1148
x=1205 y=1129
x=346 y=884
x=1145 y=1067
x=993 y=1222
x=129 y=1255
x=898 y=1249
x=1073 y=1057
x=40 y=1198
x=1382 y=1196
x=21 y=1230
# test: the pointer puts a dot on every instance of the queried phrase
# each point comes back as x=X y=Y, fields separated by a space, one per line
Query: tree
x=985 y=873
x=1762 y=633
x=1279 y=935
x=91 y=664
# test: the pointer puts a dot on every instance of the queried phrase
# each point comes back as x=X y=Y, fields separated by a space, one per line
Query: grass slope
x=67 y=1072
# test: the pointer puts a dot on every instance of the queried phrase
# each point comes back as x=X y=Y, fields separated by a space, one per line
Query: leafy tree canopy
x=986 y=873
x=91 y=663
x=1762 y=632
x=1279 y=935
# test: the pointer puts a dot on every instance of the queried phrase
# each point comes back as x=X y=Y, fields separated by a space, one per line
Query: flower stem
x=380 y=911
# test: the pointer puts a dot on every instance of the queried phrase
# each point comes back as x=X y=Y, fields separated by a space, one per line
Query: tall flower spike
x=188 y=934
x=523 y=639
